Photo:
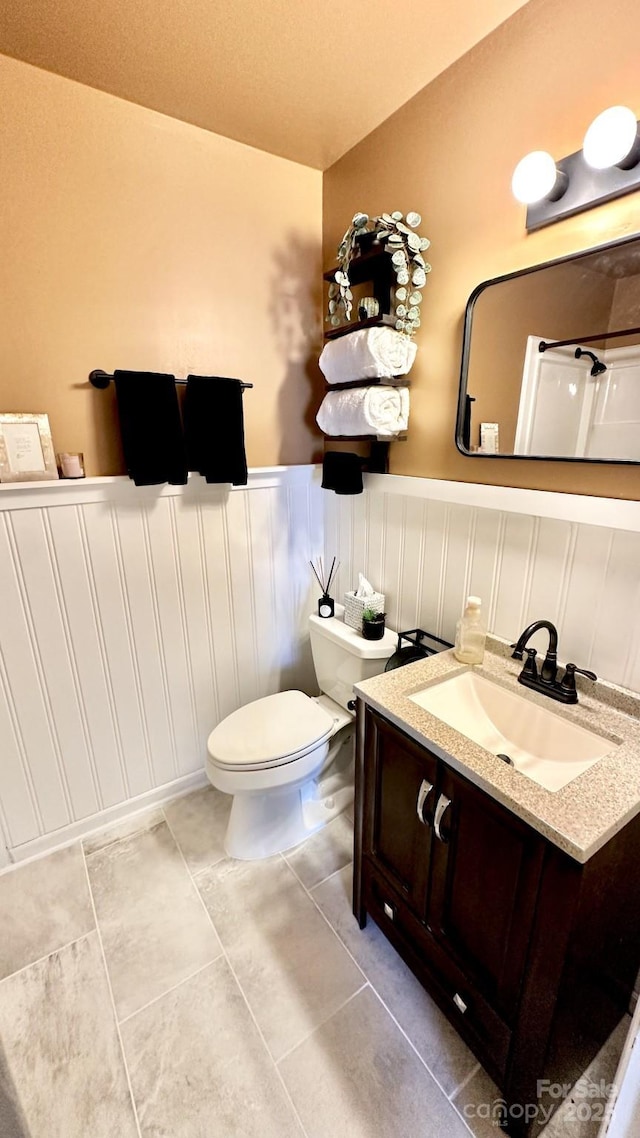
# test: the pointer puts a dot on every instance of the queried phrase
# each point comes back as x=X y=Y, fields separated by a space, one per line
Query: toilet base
x=267 y=823
x=263 y=825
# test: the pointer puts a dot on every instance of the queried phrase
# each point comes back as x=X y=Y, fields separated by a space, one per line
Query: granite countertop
x=580 y=817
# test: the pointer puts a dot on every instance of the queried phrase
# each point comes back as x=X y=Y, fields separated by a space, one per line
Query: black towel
x=154 y=449
x=214 y=428
x=342 y=472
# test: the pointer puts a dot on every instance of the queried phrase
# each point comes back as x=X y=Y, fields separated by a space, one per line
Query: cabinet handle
x=460 y=1004
x=423 y=794
x=441 y=808
x=389 y=911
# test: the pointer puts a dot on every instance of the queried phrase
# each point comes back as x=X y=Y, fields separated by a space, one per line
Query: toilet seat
x=270 y=732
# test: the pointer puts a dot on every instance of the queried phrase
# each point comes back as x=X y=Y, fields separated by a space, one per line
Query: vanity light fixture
x=607 y=167
x=612 y=140
x=537 y=177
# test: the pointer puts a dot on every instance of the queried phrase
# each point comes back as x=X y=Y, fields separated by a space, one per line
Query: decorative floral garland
x=405 y=247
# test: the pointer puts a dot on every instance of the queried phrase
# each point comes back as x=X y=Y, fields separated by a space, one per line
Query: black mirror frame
x=463 y=398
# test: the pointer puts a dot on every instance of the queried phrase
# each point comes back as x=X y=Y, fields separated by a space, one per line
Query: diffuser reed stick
x=318 y=572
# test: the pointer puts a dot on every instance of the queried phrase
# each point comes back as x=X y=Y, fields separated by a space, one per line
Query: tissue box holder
x=355 y=606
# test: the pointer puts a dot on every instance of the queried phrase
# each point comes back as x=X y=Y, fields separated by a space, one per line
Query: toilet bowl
x=287 y=758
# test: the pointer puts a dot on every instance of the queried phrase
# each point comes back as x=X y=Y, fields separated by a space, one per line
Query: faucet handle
x=569 y=678
x=530 y=667
x=517 y=655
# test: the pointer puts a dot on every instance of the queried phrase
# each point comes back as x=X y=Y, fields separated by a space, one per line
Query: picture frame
x=26 y=448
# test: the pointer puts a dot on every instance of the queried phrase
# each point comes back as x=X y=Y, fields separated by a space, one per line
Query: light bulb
x=534 y=178
x=611 y=138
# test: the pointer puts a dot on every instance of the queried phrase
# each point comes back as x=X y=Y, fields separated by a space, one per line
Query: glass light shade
x=534 y=177
x=610 y=138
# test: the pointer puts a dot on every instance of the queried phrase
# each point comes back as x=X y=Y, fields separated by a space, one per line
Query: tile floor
x=150 y=987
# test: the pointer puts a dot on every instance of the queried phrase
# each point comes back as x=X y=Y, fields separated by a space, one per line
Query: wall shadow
x=295 y=311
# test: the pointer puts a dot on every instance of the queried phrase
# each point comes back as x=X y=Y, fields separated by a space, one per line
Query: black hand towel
x=154 y=449
x=214 y=429
x=342 y=472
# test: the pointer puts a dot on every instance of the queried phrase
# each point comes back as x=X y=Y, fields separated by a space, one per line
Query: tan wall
x=136 y=241
x=449 y=153
x=625 y=310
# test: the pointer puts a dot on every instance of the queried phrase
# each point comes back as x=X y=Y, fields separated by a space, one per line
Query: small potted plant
x=373 y=624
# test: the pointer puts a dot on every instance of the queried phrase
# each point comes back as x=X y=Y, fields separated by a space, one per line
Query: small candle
x=72 y=465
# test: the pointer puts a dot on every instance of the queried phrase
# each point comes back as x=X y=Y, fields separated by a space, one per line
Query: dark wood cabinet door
x=398 y=810
x=485 y=871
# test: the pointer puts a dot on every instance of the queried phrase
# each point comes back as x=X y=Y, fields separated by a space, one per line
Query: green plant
x=405 y=247
x=370 y=615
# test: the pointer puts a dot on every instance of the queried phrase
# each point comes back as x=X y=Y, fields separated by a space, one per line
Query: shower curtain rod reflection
x=102 y=379
x=576 y=340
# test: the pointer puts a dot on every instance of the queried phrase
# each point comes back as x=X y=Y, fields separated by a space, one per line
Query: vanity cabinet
x=530 y=954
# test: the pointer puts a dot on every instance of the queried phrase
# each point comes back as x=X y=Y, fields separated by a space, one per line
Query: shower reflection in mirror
x=577 y=404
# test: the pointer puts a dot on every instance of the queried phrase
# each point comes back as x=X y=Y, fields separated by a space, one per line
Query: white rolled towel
x=369 y=353
x=381 y=411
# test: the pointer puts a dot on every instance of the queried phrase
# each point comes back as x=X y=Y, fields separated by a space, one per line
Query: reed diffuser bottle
x=326 y=604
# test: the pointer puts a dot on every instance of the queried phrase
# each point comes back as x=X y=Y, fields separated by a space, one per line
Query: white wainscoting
x=426 y=545
x=131 y=621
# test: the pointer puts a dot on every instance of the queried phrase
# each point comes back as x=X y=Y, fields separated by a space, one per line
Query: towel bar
x=102 y=379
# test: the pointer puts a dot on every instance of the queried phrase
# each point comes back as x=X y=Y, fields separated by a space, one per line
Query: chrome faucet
x=545 y=680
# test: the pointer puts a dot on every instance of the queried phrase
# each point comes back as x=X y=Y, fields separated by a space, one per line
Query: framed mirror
x=551 y=361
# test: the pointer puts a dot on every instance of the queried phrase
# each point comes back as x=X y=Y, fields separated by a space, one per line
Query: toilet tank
x=341 y=657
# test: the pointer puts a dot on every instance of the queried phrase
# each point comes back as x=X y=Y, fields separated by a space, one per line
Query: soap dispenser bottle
x=471 y=633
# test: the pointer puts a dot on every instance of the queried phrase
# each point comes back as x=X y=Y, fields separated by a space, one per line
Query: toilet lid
x=270 y=731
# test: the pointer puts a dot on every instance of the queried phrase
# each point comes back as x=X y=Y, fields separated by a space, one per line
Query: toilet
x=287 y=759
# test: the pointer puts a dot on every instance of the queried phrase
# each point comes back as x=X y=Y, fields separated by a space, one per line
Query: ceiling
x=300 y=79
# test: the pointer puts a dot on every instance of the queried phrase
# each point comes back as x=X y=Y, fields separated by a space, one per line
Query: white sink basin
x=544 y=746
